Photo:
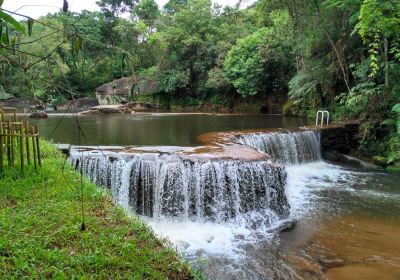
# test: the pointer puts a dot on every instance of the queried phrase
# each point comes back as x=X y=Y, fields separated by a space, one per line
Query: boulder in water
x=38 y=115
x=284 y=226
x=380 y=161
x=105 y=109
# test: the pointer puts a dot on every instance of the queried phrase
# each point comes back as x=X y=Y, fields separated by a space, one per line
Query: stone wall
x=338 y=140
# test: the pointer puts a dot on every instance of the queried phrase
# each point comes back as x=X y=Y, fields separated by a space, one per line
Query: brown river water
x=348 y=217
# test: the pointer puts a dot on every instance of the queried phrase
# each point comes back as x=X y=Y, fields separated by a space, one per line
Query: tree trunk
x=336 y=51
x=385 y=49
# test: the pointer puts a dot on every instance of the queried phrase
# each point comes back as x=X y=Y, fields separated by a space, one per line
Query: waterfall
x=285 y=147
x=188 y=188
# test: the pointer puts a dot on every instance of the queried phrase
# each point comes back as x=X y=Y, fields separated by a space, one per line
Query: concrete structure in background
x=126 y=90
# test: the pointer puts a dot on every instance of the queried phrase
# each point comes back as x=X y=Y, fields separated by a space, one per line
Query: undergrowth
x=41 y=236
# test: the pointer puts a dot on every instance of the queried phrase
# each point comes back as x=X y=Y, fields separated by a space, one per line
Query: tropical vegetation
x=343 y=56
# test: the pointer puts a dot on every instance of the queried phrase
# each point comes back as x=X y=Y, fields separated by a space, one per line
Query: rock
x=285 y=226
x=80 y=104
x=129 y=108
x=120 y=91
x=64 y=148
x=106 y=109
x=331 y=263
x=109 y=109
x=210 y=239
x=137 y=106
x=21 y=103
x=380 y=161
x=340 y=158
x=38 y=115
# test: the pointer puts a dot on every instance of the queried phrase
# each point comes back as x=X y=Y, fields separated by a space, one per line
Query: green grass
x=41 y=237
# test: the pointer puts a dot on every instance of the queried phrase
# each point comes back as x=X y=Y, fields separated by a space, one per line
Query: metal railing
x=324 y=116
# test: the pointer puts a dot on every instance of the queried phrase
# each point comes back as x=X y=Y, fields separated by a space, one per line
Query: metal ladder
x=322 y=114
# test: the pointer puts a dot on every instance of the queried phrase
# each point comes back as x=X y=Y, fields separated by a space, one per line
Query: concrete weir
x=216 y=184
x=234 y=174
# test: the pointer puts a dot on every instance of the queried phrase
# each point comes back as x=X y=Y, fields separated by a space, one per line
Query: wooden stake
x=28 y=157
x=21 y=146
x=12 y=145
x=34 y=148
x=1 y=146
x=8 y=146
x=38 y=145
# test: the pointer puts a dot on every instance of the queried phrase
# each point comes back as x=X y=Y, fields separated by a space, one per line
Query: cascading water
x=287 y=148
x=212 y=204
x=188 y=188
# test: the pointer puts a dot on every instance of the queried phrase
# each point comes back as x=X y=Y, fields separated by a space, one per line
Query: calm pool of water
x=154 y=129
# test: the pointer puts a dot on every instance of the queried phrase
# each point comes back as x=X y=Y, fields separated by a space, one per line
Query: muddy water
x=348 y=228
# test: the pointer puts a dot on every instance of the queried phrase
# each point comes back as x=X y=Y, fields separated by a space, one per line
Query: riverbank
x=41 y=237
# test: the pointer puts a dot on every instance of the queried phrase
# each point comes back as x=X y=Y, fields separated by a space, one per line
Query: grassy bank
x=41 y=237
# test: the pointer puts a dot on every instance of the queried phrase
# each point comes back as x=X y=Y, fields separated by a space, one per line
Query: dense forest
x=342 y=56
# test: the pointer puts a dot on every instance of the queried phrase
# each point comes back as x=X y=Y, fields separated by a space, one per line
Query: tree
x=173 y=6
x=244 y=65
x=113 y=8
x=262 y=62
x=190 y=37
x=379 y=28
x=148 y=12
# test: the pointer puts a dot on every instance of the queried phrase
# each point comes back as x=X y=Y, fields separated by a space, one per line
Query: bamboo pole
x=38 y=144
x=21 y=146
x=1 y=146
x=8 y=146
x=28 y=157
x=34 y=149
x=12 y=145
x=15 y=137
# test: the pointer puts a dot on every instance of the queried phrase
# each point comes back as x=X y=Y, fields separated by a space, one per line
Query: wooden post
x=34 y=147
x=12 y=145
x=21 y=145
x=1 y=146
x=28 y=157
x=14 y=138
x=38 y=145
x=8 y=143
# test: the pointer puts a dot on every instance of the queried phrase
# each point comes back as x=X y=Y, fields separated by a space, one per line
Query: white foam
x=192 y=238
x=198 y=238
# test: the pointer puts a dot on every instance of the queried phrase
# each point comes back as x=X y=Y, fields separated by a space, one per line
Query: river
x=348 y=217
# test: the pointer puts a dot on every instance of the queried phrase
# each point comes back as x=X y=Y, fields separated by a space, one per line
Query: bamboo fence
x=19 y=142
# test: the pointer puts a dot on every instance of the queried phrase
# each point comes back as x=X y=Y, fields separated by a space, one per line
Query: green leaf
x=10 y=20
x=12 y=42
x=1 y=2
x=77 y=44
x=6 y=37
x=396 y=108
